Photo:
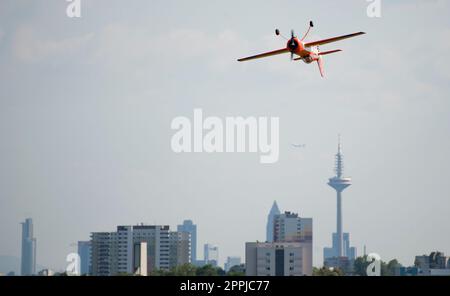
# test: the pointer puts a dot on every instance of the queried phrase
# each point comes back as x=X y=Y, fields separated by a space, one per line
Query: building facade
x=289 y=227
x=191 y=228
x=140 y=259
x=211 y=254
x=349 y=252
x=180 y=246
x=28 y=258
x=114 y=253
x=46 y=272
x=278 y=259
x=101 y=257
x=157 y=239
x=435 y=264
x=84 y=251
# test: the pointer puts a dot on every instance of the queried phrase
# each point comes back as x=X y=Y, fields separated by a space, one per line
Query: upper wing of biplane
x=266 y=54
x=330 y=40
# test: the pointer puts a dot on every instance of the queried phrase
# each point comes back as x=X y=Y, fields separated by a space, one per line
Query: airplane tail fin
x=320 y=60
x=320 y=64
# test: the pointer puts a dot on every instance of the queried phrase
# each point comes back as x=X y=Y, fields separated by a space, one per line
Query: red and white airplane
x=306 y=51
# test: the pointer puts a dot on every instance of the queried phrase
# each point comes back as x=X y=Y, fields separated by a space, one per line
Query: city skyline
x=134 y=247
x=87 y=106
x=28 y=266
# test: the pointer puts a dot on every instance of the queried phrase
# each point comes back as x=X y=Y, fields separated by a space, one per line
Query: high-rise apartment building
x=180 y=245
x=101 y=253
x=289 y=227
x=191 y=228
x=114 y=253
x=84 y=251
x=278 y=259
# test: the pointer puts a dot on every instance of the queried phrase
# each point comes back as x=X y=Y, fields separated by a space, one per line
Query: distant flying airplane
x=299 y=145
x=308 y=52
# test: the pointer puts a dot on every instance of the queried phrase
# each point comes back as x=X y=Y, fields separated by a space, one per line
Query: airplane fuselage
x=305 y=54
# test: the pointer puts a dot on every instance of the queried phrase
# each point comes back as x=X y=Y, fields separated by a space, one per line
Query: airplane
x=299 y=145
x=307 y=52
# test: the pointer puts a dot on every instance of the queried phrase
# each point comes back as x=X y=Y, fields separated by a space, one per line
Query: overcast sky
x=86 y=106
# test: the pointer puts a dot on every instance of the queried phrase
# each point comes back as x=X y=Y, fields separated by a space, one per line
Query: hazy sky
x=86 y=106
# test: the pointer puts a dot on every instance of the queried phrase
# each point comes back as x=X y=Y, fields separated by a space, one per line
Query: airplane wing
x=329 y=52
x=266 y=54
x=334 y=39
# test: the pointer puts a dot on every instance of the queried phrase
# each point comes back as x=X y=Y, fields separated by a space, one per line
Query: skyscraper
x=270 y=221
x=189 y=226
x=28 y=261
x=101 y=253
x=211 y=254
x=339 y=183
x=179 y=253
x=124 y=247
x=84 y=251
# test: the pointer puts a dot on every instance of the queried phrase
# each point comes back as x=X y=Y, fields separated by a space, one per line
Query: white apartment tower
x=115 y=252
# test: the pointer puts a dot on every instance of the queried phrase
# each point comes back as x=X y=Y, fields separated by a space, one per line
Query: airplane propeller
x=292 y=44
